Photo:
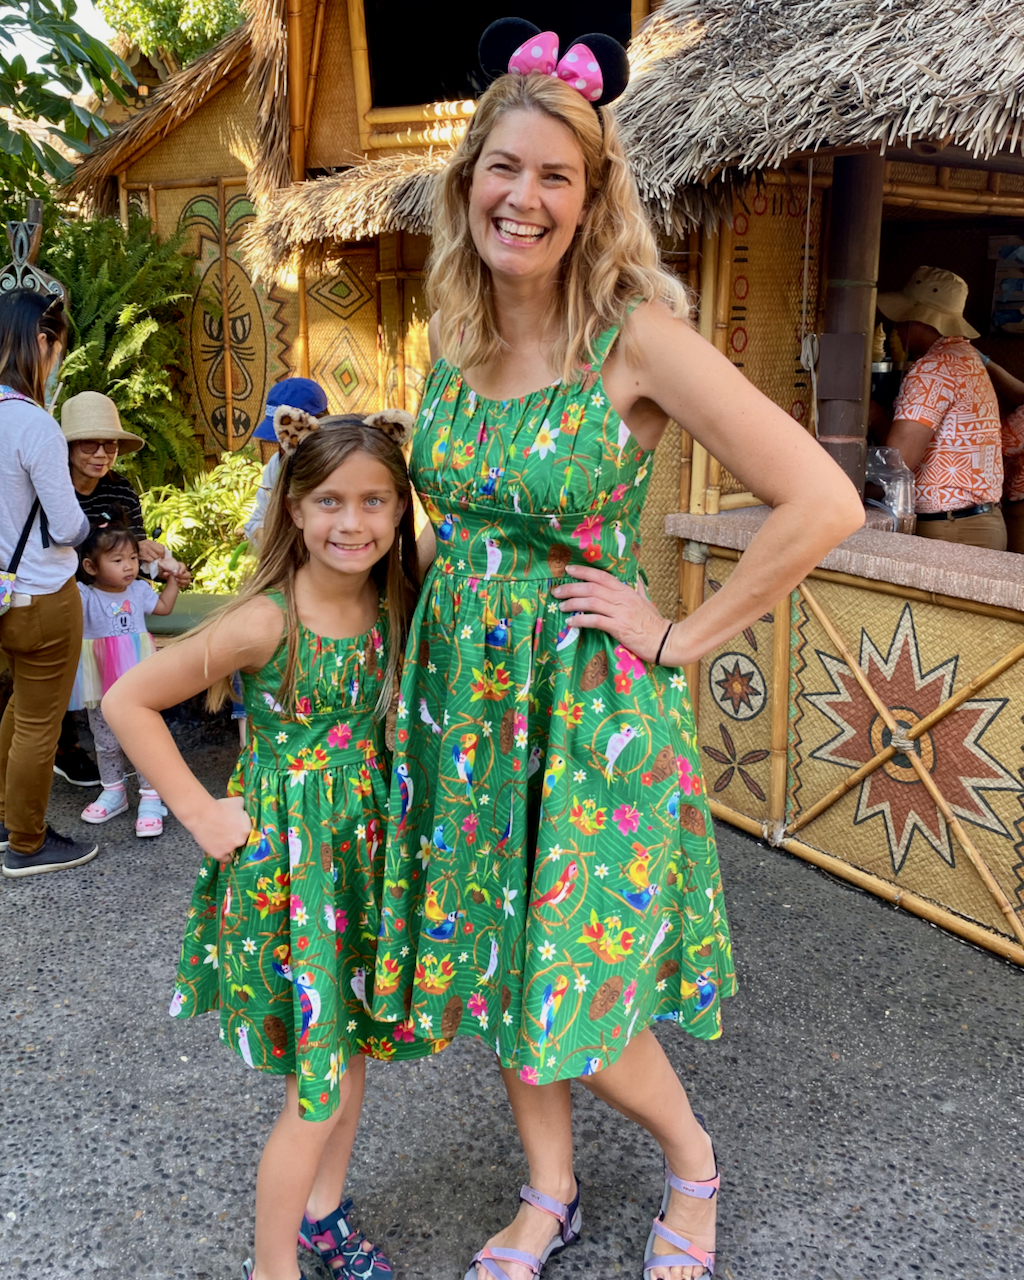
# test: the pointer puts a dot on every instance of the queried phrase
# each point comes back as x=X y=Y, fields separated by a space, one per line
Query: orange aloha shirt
x=950 y=391
x=1013 y=456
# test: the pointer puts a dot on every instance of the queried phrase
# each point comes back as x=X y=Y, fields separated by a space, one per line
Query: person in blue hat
x=297 y=393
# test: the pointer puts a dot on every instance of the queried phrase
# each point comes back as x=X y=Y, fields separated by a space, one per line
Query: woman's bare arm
x=677 y=375
x=247 y=639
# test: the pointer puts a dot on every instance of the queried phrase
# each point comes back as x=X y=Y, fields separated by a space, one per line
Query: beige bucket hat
x=934 y=297
x=91 y=416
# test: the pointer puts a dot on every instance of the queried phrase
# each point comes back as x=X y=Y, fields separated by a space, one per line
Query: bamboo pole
x=720 y=338
x=1001 y=208
x=781 y=638
x=895 y=589
x=151 y=206
x=225 y=321
x=122 y=198
x=926 y=779
x=181 y=184
x=302 y=341
x=314 y=67
x=425 y=135
x=904 y=898
x=920 y=195
x=430 y=111
x=734 y=501
x=693 y=598
x=638 y=10
x=360 y=69
x=296 y=92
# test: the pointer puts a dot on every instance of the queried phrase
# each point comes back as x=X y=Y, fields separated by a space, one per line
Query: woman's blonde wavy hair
x=612 y=261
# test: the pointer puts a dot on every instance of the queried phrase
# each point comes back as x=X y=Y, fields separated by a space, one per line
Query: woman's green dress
x=551 y=882
x=282 y=939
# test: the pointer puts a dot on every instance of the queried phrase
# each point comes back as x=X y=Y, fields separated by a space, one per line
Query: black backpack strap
x=19 y=550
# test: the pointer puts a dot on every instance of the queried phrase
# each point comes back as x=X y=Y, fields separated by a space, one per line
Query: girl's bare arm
x=246 y=639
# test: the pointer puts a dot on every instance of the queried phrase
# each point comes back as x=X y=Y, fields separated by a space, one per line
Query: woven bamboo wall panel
x=342 y=312
x=735 y=711
x=334 y=131
x=659 y=555
x=915 y=656
x=417 y=344
x=217 y=140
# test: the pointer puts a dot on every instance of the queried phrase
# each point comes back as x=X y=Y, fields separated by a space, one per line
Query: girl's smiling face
x=349 y=521
x=528 y=195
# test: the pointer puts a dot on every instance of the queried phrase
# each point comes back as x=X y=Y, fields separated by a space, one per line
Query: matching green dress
x=283 y=938
x=544 y=876
x=551 y=884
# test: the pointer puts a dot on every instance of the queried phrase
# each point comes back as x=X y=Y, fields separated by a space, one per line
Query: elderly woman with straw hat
x=946 y=417
x=95 y=439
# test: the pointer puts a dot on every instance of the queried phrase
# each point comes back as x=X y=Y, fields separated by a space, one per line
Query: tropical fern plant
x=201 y=521
x=127 y=290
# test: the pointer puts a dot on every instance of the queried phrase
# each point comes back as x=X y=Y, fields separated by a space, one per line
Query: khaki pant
x=1013 y=512
x=42 y=643
x=988 y=530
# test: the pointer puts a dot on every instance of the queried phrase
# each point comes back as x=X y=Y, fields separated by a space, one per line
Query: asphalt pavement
x=865 y=1099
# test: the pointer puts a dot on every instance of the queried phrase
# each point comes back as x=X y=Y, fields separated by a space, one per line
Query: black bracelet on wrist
x=657 y=660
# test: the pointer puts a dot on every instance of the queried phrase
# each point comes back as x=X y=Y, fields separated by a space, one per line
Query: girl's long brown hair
x=283 y=550
x=24 y=314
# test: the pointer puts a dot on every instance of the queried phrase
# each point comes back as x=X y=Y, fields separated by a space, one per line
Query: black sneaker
x=77 y=768
x=5 y=837
x=57 y=853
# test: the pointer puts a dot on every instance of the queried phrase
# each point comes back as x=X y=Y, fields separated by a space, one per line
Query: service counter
x=873 y=722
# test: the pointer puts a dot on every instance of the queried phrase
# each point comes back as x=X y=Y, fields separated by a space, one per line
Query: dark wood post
x=844 y=367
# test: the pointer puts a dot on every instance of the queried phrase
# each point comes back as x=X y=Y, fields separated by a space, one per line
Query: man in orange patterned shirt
x=946 y=416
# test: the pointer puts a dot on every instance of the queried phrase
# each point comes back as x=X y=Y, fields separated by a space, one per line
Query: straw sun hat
x=91 y=416
x=934 y=297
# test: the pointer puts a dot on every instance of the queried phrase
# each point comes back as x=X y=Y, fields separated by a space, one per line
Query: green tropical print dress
x=551 y=883
x=282 y=939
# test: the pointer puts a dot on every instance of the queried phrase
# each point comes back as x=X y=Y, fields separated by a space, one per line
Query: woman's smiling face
x=528 y=195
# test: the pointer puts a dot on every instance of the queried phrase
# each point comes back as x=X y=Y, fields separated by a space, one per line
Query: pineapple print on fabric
x=551 y=868
x=283 y=939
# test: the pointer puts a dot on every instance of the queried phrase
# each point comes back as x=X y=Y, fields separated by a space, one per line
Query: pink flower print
x=528 y=1075
x=628 y=994
x=340 y=920
x=619 y=492
x=297 y=909
x=627 y=818
x=588 y=531
x=340 y=736
x=469 y=825
x=689 y=782
x=628 y=662
x=402 y=1033
x=303 y=706
x=477 y=1004
x=518 y=722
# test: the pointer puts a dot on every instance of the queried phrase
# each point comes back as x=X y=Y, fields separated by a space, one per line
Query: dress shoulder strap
x=606 y=340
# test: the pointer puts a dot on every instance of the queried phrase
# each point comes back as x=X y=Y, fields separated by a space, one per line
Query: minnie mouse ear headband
x=595 y=64
x=292 y=426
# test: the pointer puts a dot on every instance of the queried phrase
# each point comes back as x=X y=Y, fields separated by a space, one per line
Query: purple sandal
x=337 y=1241
x=689 y=1254
x=567 y=1214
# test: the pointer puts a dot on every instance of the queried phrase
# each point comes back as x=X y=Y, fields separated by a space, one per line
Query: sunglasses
x=97 y=446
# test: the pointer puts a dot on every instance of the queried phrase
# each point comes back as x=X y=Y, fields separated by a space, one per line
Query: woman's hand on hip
x=626 y=613
x=224 y=827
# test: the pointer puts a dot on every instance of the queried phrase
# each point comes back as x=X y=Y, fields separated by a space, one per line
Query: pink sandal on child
x=150 y=821
x=111 y=802
x=689 y=1255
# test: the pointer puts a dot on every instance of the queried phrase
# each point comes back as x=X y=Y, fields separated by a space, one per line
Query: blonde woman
x=551 y=880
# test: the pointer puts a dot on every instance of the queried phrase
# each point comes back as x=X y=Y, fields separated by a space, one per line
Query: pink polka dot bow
x=578 y=68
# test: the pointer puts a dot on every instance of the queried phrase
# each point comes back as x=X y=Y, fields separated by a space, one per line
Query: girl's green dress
x=551 y=881
x=282 y=939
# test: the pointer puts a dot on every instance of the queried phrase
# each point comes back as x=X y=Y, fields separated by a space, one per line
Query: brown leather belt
x=979 y=509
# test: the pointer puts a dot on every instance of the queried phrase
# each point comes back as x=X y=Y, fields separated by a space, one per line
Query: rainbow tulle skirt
x=102 y=662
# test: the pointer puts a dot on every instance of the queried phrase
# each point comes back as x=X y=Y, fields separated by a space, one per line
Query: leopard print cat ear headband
x=292 y=426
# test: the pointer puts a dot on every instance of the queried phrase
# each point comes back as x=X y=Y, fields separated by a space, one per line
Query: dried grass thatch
x=172 y=103
x=268 y=80
x=721 y=88
x=306 y=221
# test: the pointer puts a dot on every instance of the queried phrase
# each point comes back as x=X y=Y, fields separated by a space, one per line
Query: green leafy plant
x=127 y=290
x=42 y=95
x=186 y=27
x=202 y=520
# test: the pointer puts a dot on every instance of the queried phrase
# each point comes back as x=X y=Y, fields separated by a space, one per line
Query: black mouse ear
x=500 y=41
x=611 y=58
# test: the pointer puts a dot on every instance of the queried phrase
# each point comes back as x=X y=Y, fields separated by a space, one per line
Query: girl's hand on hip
x=224 y=827
x=600 y=600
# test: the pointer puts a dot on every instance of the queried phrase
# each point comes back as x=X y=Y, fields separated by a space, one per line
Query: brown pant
x=988 y=530
x=42 y=643
x=1013 y=513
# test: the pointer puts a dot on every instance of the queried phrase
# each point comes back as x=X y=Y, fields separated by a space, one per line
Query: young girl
x=286 y=914
x=114 y=639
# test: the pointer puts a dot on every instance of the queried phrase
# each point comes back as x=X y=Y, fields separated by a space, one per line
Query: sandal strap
x=565 y=1213
x=497 y=1255
x=698 y=1190
x=690 y=1253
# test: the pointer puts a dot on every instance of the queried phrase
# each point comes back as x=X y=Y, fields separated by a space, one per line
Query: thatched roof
x=737 y=85
x=173 y=102
x=391 y=194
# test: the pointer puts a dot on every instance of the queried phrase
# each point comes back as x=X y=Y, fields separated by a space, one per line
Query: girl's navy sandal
x=341 y=1247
